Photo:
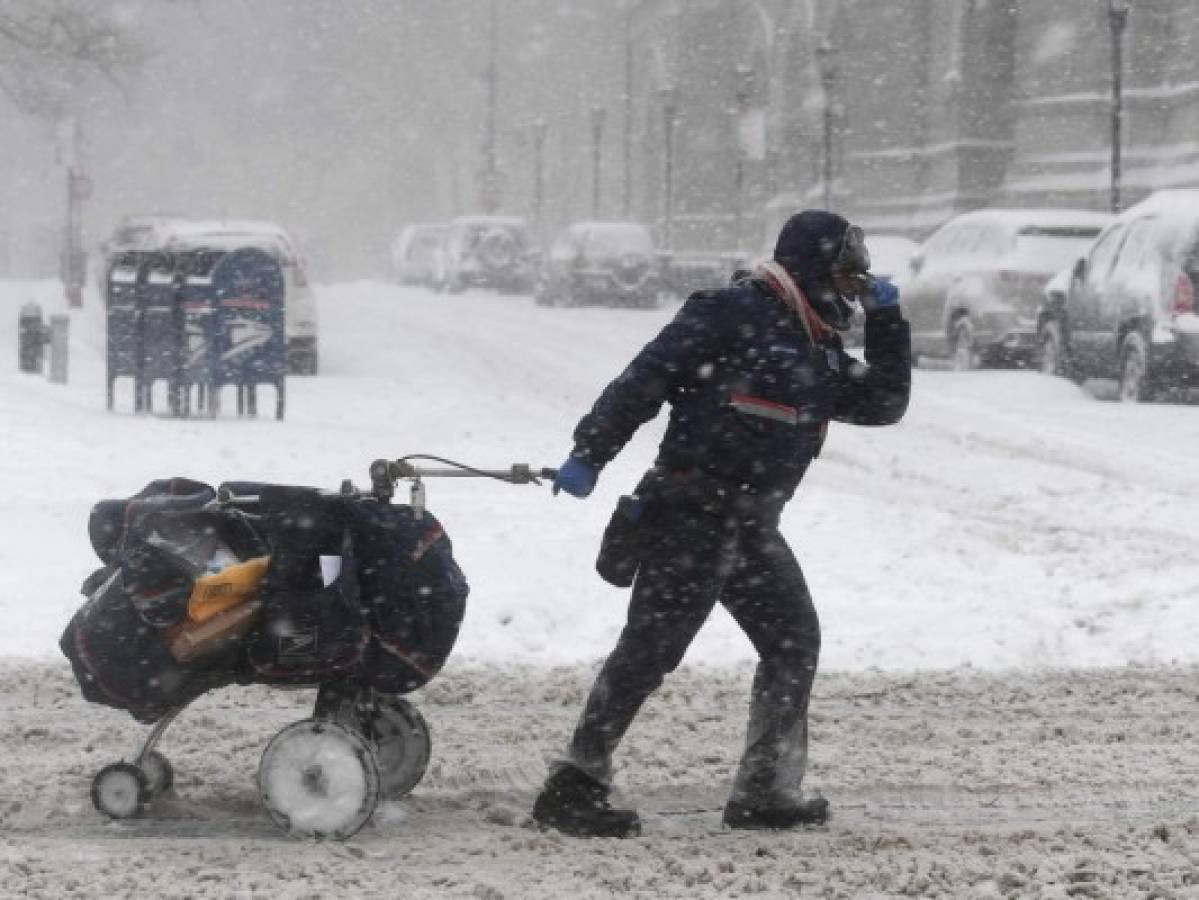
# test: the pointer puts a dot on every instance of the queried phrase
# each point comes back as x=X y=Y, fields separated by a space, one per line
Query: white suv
x=300 y=301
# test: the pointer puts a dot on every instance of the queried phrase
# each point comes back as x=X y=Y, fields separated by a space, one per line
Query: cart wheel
x=403 y=745
x=120 y=790
x=319 y=779
x=396 y=729
x=160 y=774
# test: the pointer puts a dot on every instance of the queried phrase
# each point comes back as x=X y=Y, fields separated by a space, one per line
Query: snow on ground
x=1011 y=531
x=1009 y=520
x=946 y=785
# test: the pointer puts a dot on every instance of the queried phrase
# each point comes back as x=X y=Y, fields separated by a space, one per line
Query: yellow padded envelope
x=230 y=587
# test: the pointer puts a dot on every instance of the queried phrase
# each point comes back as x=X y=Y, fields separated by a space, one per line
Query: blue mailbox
x=250 y=343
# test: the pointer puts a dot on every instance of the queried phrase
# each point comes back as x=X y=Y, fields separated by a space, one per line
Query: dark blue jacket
x=750 y=395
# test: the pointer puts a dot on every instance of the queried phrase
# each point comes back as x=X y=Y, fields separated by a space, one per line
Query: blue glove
x=575 y=477
x=880 y=294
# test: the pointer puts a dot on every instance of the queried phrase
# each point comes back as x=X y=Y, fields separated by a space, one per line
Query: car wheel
x=1135 y=383
x=1052 y=360
x=964 y=357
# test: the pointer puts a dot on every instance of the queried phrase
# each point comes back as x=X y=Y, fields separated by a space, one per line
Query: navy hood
x=807 y=247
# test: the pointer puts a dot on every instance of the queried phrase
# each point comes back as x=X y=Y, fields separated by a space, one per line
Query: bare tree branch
x=50 y=49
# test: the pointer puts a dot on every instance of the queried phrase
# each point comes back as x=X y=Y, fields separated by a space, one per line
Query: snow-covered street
x=1009 y=520
x=947 y=785
x=971 y=565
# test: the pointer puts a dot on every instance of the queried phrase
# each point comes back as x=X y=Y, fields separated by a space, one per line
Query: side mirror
x=1079 y=272
x=916 y=263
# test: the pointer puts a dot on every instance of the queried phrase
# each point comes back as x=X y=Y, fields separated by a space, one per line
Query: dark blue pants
x=692 y=561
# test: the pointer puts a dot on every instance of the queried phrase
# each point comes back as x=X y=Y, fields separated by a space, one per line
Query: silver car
x=612 y=263
x=976 y=285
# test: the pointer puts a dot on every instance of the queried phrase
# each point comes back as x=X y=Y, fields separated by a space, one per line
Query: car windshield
x=614 y=241
x=1047 y=249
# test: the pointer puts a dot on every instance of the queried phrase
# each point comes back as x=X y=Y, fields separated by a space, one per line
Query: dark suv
x=600 y=262
x=1128 y=309
x=485 y=251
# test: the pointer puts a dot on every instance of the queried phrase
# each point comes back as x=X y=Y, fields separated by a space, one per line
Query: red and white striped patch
x=766 y=409
x=431 y=537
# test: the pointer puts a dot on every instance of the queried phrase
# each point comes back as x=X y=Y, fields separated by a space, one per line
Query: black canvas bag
x=411 y=589
x=623 y=541
x=155 y=544
x=309 y=631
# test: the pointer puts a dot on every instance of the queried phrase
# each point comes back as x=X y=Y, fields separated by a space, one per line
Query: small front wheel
x=120 y=791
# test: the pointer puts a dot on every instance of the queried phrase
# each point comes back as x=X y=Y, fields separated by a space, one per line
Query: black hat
x=811 y=246
x=814 y=243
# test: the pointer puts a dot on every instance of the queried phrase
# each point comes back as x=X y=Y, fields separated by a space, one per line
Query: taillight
x=1184 y=296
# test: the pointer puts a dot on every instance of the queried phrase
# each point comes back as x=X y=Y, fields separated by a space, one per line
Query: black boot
x=747 y=814
x=576 y=804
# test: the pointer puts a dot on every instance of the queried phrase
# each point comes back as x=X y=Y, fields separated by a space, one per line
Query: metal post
x=1117 y=17
x=540 y=127
x=598 y=113
x=31 y=338
x=59 y=342
x=742 y=89
x=626 y=194
x=669 y=102
x=828 y=75
x=74 y=259
x=490 y=186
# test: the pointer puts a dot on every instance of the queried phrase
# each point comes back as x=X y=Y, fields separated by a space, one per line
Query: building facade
x=918 y=109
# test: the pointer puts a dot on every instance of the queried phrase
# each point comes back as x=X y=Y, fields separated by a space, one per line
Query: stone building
x=928 y=108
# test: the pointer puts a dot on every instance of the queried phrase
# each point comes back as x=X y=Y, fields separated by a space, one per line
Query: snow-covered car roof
x=1177 y=213
x=491 y=221
x=1174 y=201
x=410 y=232
x=226 y=235
x=1018 y=219
x=612 y=226
x=616 y=235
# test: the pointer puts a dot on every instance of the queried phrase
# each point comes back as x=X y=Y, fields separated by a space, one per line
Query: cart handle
x=385 y=473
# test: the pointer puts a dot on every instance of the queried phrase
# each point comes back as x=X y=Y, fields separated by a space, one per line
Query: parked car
x=486 y=251
x=136 y=233
x=613 y=263
x=975 y=286
x=301 y=314
x=414 y=253
x=1126 y=309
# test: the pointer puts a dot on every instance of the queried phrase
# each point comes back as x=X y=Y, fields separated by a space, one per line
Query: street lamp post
x=540 y=127
x=626 y=194
x=1117 y=18
x=491 y=176
x=598 y=114
x=668 y=98
x=742 y=90
x=828 y=79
